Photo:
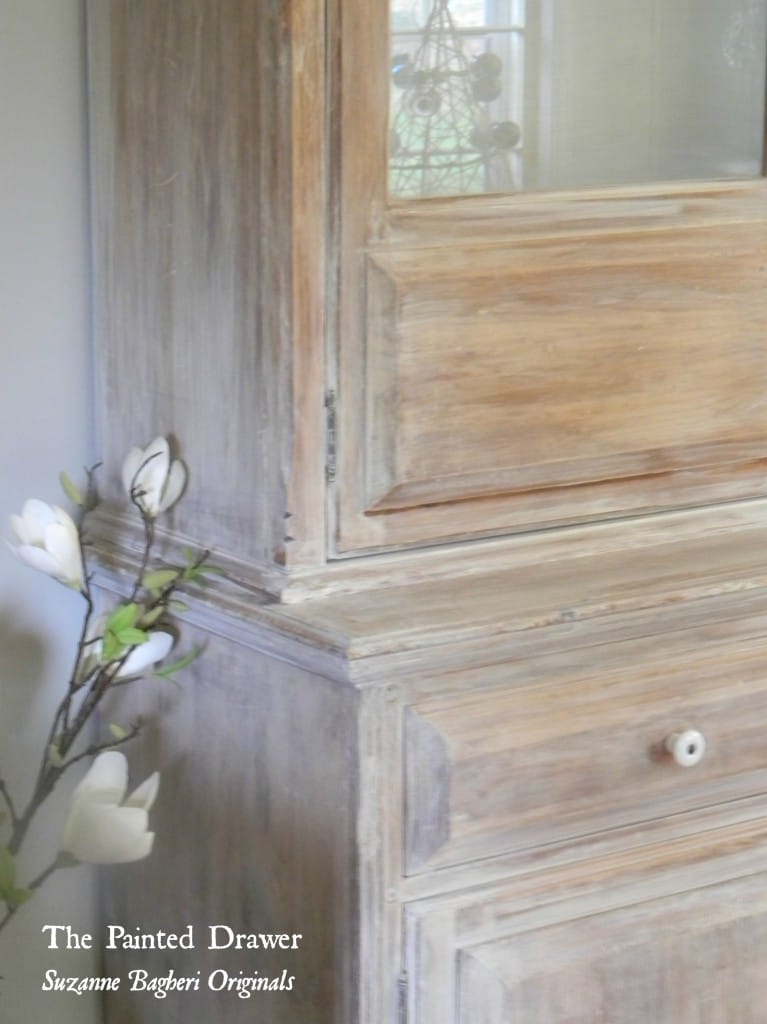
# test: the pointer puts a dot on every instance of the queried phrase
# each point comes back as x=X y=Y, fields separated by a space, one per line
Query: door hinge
x=402 y=999
x=330 y=436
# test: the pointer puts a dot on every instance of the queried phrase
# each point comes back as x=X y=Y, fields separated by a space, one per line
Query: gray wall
x=44 y=426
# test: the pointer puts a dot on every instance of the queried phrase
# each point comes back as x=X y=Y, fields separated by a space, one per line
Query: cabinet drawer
x=507 y=769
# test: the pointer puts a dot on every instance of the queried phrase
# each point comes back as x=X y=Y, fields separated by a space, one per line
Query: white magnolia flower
x=151 y=479
x=103 y=827
x=49 y=542
x=146 y=655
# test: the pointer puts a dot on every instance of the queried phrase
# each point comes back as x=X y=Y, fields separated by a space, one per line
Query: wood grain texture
x=490 y=604
x=203 y=286
x=675 y=930
x=533 y=361
x=575 y=212
x=520 y=769
x=440 y=767
x=680 y=959
x=544 y=366
x=562 y=377
x=310 y=228
x=255 y=829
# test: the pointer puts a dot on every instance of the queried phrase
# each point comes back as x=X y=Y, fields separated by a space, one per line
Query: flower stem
x=34 y=884
x=8 y=802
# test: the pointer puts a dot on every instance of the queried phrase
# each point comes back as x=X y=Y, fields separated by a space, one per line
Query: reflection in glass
x=451 y=131
x=510 y=95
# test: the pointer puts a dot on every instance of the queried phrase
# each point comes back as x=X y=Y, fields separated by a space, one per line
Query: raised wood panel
x=672 y=934
x=504 y=771
x=685 y=959
x=550 y=364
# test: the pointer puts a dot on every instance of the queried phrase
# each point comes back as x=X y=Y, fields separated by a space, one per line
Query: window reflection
x=457 y=70
x=509 y=95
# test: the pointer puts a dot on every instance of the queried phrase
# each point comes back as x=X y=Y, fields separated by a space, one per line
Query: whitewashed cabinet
x=487 y=478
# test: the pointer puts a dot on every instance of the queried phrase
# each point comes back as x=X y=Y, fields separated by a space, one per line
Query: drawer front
x=674 y=945
x=508 y=769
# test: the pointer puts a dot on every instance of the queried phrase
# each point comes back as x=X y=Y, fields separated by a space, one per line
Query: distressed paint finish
x=255 y=829
x=555 y=367
x=672 y=934
x=518 y=768
x=316 y=790
x=494 y=359
x=511 y=362
x=552 y=364
x=435 y=765
x=195 y=194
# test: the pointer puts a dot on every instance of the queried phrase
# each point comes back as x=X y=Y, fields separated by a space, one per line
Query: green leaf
x=70 y=489
x=123 y=616
x=178 y=606
x=149 y=618
x=120 y=631
x=117 y=731
x=132 y=637
x=176 y=666
x=159 y=578
x=112 y=648
x=7 y=869
x=199 y=572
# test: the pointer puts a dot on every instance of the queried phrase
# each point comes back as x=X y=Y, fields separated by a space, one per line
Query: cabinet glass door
x=550 y=247
x=510 y=95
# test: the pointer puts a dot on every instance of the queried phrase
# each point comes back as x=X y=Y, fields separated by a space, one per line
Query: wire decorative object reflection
x=443 y=140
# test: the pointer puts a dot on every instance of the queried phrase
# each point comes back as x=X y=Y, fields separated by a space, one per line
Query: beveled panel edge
x=618 y=208
x=701 y=471
x=385 y=512
x=376 y=516
x=426 y=791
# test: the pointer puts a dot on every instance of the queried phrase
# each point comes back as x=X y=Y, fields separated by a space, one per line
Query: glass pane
x=511 y=95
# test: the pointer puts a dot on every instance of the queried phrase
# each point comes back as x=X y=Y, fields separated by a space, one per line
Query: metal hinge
x=330 y=436
x=402 y=998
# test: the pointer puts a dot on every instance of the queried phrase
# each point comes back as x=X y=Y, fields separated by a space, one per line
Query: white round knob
x=687 y=748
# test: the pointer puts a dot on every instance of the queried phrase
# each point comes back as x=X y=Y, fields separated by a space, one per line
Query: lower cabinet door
x=679 y=947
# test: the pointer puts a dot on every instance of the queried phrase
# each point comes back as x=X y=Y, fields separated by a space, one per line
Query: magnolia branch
x=59 y=862
x=8 y=801
x=101 y=663
x=97 y=748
